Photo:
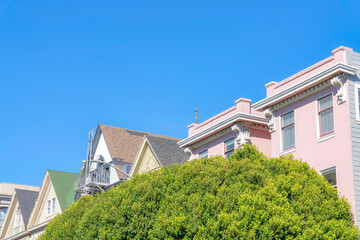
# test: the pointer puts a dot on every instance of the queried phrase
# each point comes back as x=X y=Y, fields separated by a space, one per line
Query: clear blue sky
x=66 y=66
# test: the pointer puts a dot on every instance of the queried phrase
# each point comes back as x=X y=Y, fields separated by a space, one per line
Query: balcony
x=96 y=178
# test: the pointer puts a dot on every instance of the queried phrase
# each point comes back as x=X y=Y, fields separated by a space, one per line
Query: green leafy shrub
x=248 y=196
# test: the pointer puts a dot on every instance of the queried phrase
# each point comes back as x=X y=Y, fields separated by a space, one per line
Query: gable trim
x=140 y=152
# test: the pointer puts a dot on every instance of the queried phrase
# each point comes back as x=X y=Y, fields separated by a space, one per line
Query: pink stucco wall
x=242 y=105
x=259 y=138
x=215 y=147
x=335 y=151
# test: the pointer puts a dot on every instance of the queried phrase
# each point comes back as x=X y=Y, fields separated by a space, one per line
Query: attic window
x=18 y=218
x=51 y=206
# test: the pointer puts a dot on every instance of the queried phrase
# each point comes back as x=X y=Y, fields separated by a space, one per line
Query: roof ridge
x=60 y=171
x=18 y=189
x=141 y=132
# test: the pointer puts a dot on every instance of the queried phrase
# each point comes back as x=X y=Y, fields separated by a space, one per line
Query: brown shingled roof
x=123 y=144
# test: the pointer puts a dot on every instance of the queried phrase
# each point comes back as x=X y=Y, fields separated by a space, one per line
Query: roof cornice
x=17 y=235
x=315 y=79
x=221 y=125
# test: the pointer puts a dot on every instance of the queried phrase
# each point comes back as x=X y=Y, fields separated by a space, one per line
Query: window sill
x=326 y=137
x=357 y=121
x=50 y=215
x=288 y=151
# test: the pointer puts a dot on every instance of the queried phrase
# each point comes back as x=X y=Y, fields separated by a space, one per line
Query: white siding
x=43 y=216
x=102 y=149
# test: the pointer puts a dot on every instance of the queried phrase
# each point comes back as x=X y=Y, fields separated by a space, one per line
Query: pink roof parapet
x=312 y=76
x=224 y=122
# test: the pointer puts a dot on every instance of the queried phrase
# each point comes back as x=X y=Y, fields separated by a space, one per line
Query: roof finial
x=196 y=118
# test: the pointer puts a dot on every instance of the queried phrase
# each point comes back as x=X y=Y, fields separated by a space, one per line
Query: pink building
x=221 y=134
x=314 y=115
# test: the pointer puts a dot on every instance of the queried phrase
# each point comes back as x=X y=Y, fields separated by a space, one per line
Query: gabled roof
x=167 y=151
x=123 y=144
x=26 y=201
x=63 y=183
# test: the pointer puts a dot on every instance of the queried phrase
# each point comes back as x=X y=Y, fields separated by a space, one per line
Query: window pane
x=203 y=154
x=229 y=145
x=326 y=122
x=48 y=206
x=325 y=103
x=330 y=176
x=228 y=154
x=287 y=119
x=289 y=137
x=53 y=205
x=2 y=215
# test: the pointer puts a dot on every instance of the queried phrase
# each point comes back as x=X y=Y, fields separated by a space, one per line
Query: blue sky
x=66 y=66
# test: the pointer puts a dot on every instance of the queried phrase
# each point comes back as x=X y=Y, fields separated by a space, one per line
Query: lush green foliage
x=248 y=196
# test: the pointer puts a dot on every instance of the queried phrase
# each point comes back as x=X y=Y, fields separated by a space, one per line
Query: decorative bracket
x=270 y=115
x=339 y=82
x=189 y=152
x=243 y=136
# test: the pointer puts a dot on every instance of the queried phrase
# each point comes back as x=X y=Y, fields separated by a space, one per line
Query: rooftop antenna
x=196 y=117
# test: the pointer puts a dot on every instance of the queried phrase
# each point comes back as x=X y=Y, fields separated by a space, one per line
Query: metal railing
x=99 y=177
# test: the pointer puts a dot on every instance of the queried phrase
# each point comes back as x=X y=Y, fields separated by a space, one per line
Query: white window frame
x=18 y=218
x=328 y=136
x=225 y=152
x=207 y=153
x=50 y=206
x=328 y=170
x=356 y=94
x=292 y=149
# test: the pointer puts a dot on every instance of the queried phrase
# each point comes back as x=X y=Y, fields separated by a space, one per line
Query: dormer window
x=51 y=206
x=18 y=218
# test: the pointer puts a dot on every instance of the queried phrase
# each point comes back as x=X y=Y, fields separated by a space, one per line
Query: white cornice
x=17 y=235
x=301 y=86
x=40 y=225
x=221 y=125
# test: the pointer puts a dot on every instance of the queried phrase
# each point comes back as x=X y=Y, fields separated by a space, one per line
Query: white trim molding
x=270 y=115
x=243 y=136
x=189 y=152
x=286 y=152
x=319 y=140
x=226 y=123
x=339 y=82
x=317 y=78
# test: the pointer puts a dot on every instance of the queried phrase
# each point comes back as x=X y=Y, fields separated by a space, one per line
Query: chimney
x=243 y=105
x=340 y=53
x=270 y=88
